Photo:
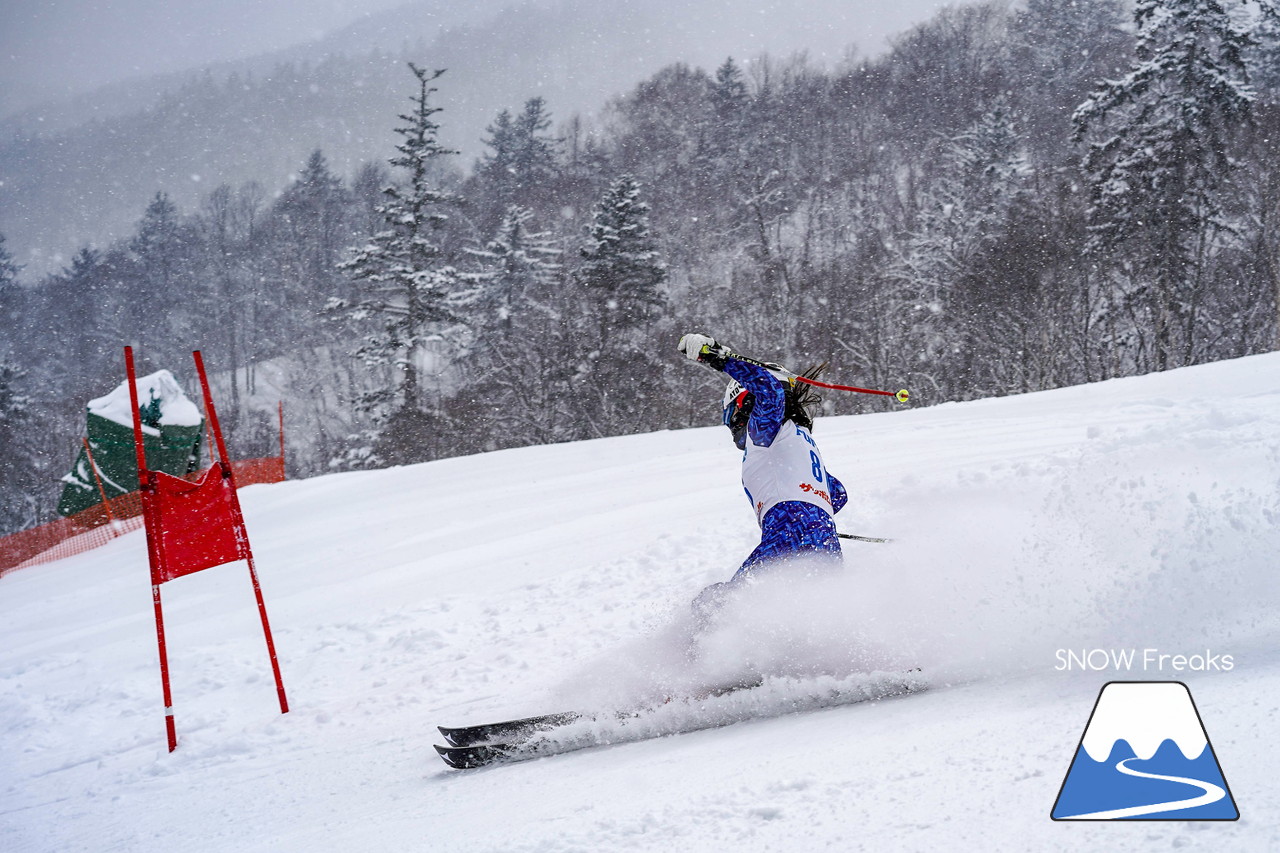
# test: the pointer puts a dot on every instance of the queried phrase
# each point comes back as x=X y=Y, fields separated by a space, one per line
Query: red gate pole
x=144 y=485
x=242 y=536
x=209 y=437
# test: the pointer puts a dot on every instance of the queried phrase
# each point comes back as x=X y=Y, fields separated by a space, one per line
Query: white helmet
x=735 y=397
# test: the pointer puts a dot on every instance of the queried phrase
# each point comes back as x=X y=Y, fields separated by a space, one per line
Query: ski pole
x=862 y=538
x=901 y=396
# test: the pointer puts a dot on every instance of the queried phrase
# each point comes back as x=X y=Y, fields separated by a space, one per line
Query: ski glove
x=704 y=349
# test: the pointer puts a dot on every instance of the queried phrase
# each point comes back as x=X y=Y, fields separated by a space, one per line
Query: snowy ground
x=1141 y=513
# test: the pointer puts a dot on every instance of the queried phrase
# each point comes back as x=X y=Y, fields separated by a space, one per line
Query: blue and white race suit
x=793 y=496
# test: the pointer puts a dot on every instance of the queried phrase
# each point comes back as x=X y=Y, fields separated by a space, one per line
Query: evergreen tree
x=1060 y=50
x=9 y=268
x=944 y=270
x=498 y=164
x=17 y=465
x=536 y=152
x=154 y=244
x=521 y=162
x=517 y=265
x=171 y=303
x=1160 y=159
x=721 y=135
x=366 y=191
x=401 y=272
x=1264 y=58
x=620 y=269
x=311 y=213
x=729 y=95
x=80 y=289
x=620 y=275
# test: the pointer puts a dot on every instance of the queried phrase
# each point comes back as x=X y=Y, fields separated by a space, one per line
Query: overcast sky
x=54 y=47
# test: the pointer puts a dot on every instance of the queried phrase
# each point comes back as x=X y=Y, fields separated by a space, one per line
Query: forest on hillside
x=1011 y=199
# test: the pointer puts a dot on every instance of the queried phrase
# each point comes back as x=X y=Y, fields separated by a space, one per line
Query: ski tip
x=468 y=757
x=455 y=757
x=462 y=737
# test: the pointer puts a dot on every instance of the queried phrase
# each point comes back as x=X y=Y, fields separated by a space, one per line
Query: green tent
x=173 y=431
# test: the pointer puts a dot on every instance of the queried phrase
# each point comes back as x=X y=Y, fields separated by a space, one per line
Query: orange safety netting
x=93 y=527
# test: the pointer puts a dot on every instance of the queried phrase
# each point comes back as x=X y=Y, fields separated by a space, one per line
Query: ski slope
x=1131 y=514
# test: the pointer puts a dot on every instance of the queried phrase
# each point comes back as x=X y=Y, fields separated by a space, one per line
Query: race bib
x=790 y=469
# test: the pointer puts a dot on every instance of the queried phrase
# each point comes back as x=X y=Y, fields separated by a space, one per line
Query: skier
x=793 y=496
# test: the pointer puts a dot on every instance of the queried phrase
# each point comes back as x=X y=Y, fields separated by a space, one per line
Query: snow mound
x=174 y=407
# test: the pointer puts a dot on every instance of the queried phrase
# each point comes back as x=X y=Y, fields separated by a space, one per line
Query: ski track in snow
x=1137 y=513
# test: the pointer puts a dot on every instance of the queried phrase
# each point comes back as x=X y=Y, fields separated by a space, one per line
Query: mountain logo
x=1145 y=755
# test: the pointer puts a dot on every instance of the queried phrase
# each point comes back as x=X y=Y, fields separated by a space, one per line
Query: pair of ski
x=516 y=740
x=534 y=737
x=476 y=746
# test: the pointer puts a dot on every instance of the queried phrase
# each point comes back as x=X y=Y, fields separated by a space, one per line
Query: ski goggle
x=731 y=408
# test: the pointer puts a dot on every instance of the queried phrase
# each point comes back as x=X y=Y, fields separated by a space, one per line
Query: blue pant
x=790 y=529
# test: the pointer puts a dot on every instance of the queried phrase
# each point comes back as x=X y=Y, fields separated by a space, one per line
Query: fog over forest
x=79 y=169
x=1006 y=198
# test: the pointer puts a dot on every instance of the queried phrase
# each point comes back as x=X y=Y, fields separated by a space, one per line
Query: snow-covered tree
x=521 y=152
x=401 y=272
x=522 y=159
x=722 y=145
x=729 y=94
x=312 y=213
x=1159 y=159
x=9 y=268
x=156 y=250
x=172 y=299
x=1264 y=58
x=621 y=276
x=535 y=153
x=498 y=163
x=518 y=263
x=158 y=233
x=620 y=270
x=1060 y=50
x=941 y=267
x=16 y=463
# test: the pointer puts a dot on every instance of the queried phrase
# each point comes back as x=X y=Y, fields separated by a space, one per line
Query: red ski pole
x=901 y=396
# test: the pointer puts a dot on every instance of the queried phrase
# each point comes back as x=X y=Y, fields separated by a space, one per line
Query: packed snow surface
x=1136 y=514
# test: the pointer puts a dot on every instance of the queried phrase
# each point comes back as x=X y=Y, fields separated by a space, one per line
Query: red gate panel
x=196 y=524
